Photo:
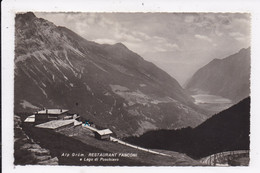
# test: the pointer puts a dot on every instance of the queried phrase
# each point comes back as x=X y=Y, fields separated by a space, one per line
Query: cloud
x=141 y=35
x=189 y=19
x=173 y=46
x=168 y=47
x=159 y=49
x=126 y=37
x=163 y=45
x=105 y=41
x=159 y=39
x=203 y=37
x=237 y=36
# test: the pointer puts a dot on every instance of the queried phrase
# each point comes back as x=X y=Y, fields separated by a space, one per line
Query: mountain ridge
x=228 y=77
x=108 y=84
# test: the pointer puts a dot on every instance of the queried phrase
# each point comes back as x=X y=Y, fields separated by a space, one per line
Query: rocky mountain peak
x=26 y=16
x=120 y=45
x=108 y=84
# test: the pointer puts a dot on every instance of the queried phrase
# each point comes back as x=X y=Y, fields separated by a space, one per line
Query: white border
x=10 y=7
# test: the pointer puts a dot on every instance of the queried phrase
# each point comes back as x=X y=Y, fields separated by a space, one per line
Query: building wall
x=41 y=118
x=103 y=137
x=97 y=135
x=62 y=116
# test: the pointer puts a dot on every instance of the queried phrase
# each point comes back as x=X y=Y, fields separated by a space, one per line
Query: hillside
x=228 y=77
x=26 y=151
x=226 y=131
x=72 y=147
x=108 y=84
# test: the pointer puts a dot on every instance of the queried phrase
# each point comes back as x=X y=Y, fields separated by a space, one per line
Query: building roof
x=52 y=111
x=30 y=119
x=55 y=124
x=104 y=132
x=77 y=123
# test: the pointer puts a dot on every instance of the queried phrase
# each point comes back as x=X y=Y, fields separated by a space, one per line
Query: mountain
x=226 y=131
x=108 y=84
x=228 y=77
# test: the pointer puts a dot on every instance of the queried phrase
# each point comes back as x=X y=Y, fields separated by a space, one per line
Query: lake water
x=212 y=99
x=212 y=103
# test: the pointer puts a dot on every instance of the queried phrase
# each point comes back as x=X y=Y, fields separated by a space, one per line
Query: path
x=127 y=144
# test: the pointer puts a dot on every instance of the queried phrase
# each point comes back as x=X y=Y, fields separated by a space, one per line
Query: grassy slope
x=151 y=159
x=84 y=142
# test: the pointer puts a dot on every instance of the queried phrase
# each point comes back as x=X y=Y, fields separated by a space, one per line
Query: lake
x=212 y=103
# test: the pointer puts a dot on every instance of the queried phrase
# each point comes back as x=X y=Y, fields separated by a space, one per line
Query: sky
x=178 y=43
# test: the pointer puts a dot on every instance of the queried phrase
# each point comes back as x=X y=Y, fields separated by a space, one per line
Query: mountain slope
x=226 y=131
x=83 y=143
x=108 y=84
x=228 y=77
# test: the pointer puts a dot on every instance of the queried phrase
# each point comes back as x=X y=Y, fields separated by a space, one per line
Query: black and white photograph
x=135 y=89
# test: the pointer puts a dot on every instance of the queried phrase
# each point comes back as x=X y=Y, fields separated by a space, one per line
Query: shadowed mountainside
x=226 y=131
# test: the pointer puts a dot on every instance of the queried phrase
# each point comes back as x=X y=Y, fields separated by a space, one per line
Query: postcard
x=137 y=88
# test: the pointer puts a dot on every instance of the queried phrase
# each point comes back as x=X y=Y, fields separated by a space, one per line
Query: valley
x=143 y=110
x=221 y=83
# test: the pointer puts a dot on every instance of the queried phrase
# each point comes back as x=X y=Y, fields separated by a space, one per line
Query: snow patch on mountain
x=98 y=66
x=65 y=77
x=75 y=50
x=26 y=104
x=88 y=88
x=116 y=88
x=44 y=84
x=43 y=91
